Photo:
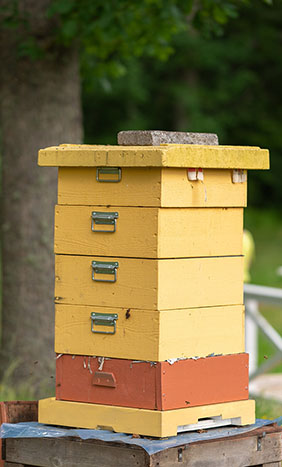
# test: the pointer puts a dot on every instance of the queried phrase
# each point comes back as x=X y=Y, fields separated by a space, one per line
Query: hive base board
x=141 y=421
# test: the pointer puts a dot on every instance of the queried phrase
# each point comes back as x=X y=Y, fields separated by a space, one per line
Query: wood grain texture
x=157 y=385
x=12 y=464
x=142 y=421
x=150 y=232
x=14 y=412
x=151 y=284
x=150 y=187
x=18 y=411
x=68 y=453
x=236 y=452
x=167 y=155
x=239 y=451
x=151 y=335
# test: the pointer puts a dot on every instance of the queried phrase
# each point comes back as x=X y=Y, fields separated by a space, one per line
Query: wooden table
x=260 y=448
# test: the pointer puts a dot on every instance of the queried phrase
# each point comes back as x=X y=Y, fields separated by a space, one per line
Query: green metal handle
x=108 y=171
x=104 y=267
x=103 y=319
x=104 y=218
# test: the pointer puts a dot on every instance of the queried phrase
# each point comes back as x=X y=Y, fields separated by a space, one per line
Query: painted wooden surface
x=239 y=451
x=157 y=385
x=150 y=232
x=167 y=155
x=151 y=187
x=142 y=421
x=151 y=335
x=151 y=284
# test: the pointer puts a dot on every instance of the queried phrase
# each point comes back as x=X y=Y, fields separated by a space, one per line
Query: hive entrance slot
x=209 y=422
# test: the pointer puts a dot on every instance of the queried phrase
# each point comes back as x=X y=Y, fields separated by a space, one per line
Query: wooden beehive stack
x=149 y=284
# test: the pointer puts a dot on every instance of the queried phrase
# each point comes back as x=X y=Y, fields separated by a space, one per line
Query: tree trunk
x=40 y=106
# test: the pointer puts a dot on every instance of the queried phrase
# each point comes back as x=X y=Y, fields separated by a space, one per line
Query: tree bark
x=40 y=106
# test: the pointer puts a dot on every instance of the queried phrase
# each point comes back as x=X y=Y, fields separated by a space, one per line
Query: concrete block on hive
x=158 y=137
x=152 y=385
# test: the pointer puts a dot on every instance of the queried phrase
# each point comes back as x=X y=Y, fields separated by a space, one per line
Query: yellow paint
x=141 y=421
x=217 y=189
x=150 y=232
x=151 y=335
x=151 y=187
x=174 y=155
x=151 y=284
x=199 y=232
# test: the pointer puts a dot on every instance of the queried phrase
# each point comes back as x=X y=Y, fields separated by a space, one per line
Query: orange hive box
x=152 y=385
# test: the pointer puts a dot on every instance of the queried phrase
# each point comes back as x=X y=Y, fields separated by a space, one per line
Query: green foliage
x=110 y=33
x=229 y=85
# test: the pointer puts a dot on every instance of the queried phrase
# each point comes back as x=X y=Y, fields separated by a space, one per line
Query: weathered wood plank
x=70 y=453
x=12 y=464
x=259 y=448
x=17 y=411
x=236 y=452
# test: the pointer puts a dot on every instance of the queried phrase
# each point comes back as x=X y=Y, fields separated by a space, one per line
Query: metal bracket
x=104 y=267
x=108 y=171
x=103 y=319
x=104 y=218
x=259 y=441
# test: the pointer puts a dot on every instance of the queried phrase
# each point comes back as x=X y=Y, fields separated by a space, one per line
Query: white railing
x=253 y=296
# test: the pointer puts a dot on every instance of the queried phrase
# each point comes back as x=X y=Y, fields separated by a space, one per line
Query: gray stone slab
x=157 y=137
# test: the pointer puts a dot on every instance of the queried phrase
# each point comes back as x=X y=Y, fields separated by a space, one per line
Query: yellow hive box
x=141 y=421
x=151 y=176
x=149 y=284
x=160 y=187
x=148 y=232
x=149 y=335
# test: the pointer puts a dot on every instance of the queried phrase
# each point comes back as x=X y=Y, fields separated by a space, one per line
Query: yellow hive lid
x=152 y=150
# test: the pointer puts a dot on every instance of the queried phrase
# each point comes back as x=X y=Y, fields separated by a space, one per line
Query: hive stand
x=149 y=284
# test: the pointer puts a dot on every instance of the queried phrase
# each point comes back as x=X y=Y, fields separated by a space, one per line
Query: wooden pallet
x=258 y=448
x=17 y=411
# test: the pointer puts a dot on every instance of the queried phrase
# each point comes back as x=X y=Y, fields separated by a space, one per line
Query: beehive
x=149 y=287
